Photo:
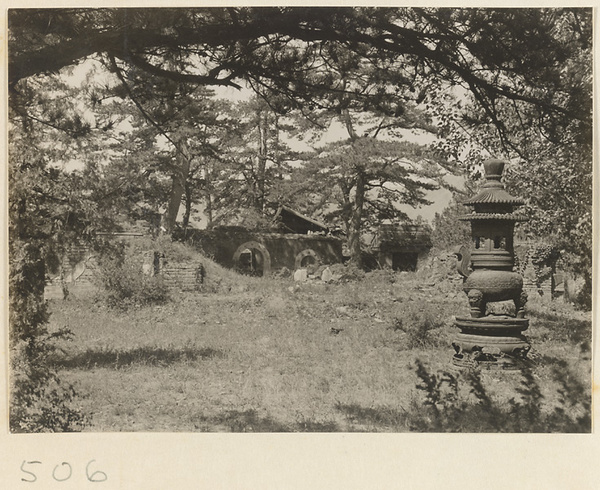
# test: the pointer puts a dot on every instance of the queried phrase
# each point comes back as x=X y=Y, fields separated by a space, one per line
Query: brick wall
x=185 y=277
x=79 y=267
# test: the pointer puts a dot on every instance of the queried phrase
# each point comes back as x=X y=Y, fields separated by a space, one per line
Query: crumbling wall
x=76 y=274
x=284 y=250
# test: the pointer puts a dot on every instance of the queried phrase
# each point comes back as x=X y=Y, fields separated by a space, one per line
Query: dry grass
x=271 y=355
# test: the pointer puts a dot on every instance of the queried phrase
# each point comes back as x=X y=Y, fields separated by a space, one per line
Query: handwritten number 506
x=62 y=472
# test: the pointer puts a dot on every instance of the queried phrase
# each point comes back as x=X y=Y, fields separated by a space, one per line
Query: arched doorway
x=307 y=258
x=252 y=258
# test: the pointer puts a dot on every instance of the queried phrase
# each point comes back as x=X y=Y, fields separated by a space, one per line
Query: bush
x=461 y=403
x=39 y=400
x=123 y=282
x=421 y=328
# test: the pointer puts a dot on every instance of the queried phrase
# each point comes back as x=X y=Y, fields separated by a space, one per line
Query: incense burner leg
x=477 y=303
x=520 y=302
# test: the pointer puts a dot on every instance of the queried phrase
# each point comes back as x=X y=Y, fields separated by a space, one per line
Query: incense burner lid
x=492 y=192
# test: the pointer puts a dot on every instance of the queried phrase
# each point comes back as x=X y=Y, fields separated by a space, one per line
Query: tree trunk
x=347 y=120
x=188 y=205
x=180 y=176
x=276 y=155
x=208 y=211
x=262 y=160
x=356 y=221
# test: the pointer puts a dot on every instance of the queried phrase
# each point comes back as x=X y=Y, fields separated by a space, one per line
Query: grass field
x=274 y=355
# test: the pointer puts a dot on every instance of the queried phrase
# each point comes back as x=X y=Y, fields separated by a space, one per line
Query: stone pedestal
x=491 y=342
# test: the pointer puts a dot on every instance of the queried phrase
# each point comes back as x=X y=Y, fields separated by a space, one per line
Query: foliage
x=505 y=82
x=355 y=184
x=511 y=54
x=39 y=400
x=449 y=409
x=448 y=231
x=247 y=178
x=542 y=257
x=123 y=282
x=421 y=328
x=550 y=155
x=523 y=76
x=48 y=207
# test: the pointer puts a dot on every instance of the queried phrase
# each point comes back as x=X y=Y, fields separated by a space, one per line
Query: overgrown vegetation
x=149 y=135
x=421 y=327
x=39 y=400
x=462 y=403
x=124 y=284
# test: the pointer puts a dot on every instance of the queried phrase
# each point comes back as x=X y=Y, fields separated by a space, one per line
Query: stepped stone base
x=491 y=342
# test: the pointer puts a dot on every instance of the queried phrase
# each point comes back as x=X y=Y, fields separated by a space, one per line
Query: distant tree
x=524 y=66
x=255 y=160
x=184 y=125
x=448 y=231
x=357 y=183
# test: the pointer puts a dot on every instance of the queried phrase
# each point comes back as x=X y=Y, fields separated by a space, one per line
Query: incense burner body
x=486 y=286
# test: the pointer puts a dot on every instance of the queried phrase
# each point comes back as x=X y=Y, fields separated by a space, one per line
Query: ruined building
x=296 y=241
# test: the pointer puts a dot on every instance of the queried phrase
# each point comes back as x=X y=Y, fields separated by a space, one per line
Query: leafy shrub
x=123 y=282
x=39 y=400
x=461 y=403
x=421 y=328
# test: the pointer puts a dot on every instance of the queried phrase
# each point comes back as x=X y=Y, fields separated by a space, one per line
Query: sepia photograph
x=296 y=219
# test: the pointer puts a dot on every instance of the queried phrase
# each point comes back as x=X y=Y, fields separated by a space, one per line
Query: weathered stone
x=301 y=275
x=327 y=275
x=284 y=273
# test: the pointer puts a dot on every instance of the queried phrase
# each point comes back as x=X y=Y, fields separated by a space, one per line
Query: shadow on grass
x=251 y=421
x=362 y=419
x=378 y=418
x=565 y=329
x=143 y=356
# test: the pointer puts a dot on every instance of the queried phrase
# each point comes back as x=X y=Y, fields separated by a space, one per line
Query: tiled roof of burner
x=497 y=216
x=494 y=195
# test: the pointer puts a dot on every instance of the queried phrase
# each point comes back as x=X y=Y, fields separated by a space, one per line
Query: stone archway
x=305 y=256
x=260 y=258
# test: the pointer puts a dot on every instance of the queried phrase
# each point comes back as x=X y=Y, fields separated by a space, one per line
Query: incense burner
x=487 y=267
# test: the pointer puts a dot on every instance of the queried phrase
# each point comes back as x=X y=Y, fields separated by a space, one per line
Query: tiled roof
x=498 y=216
x=494 y=196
